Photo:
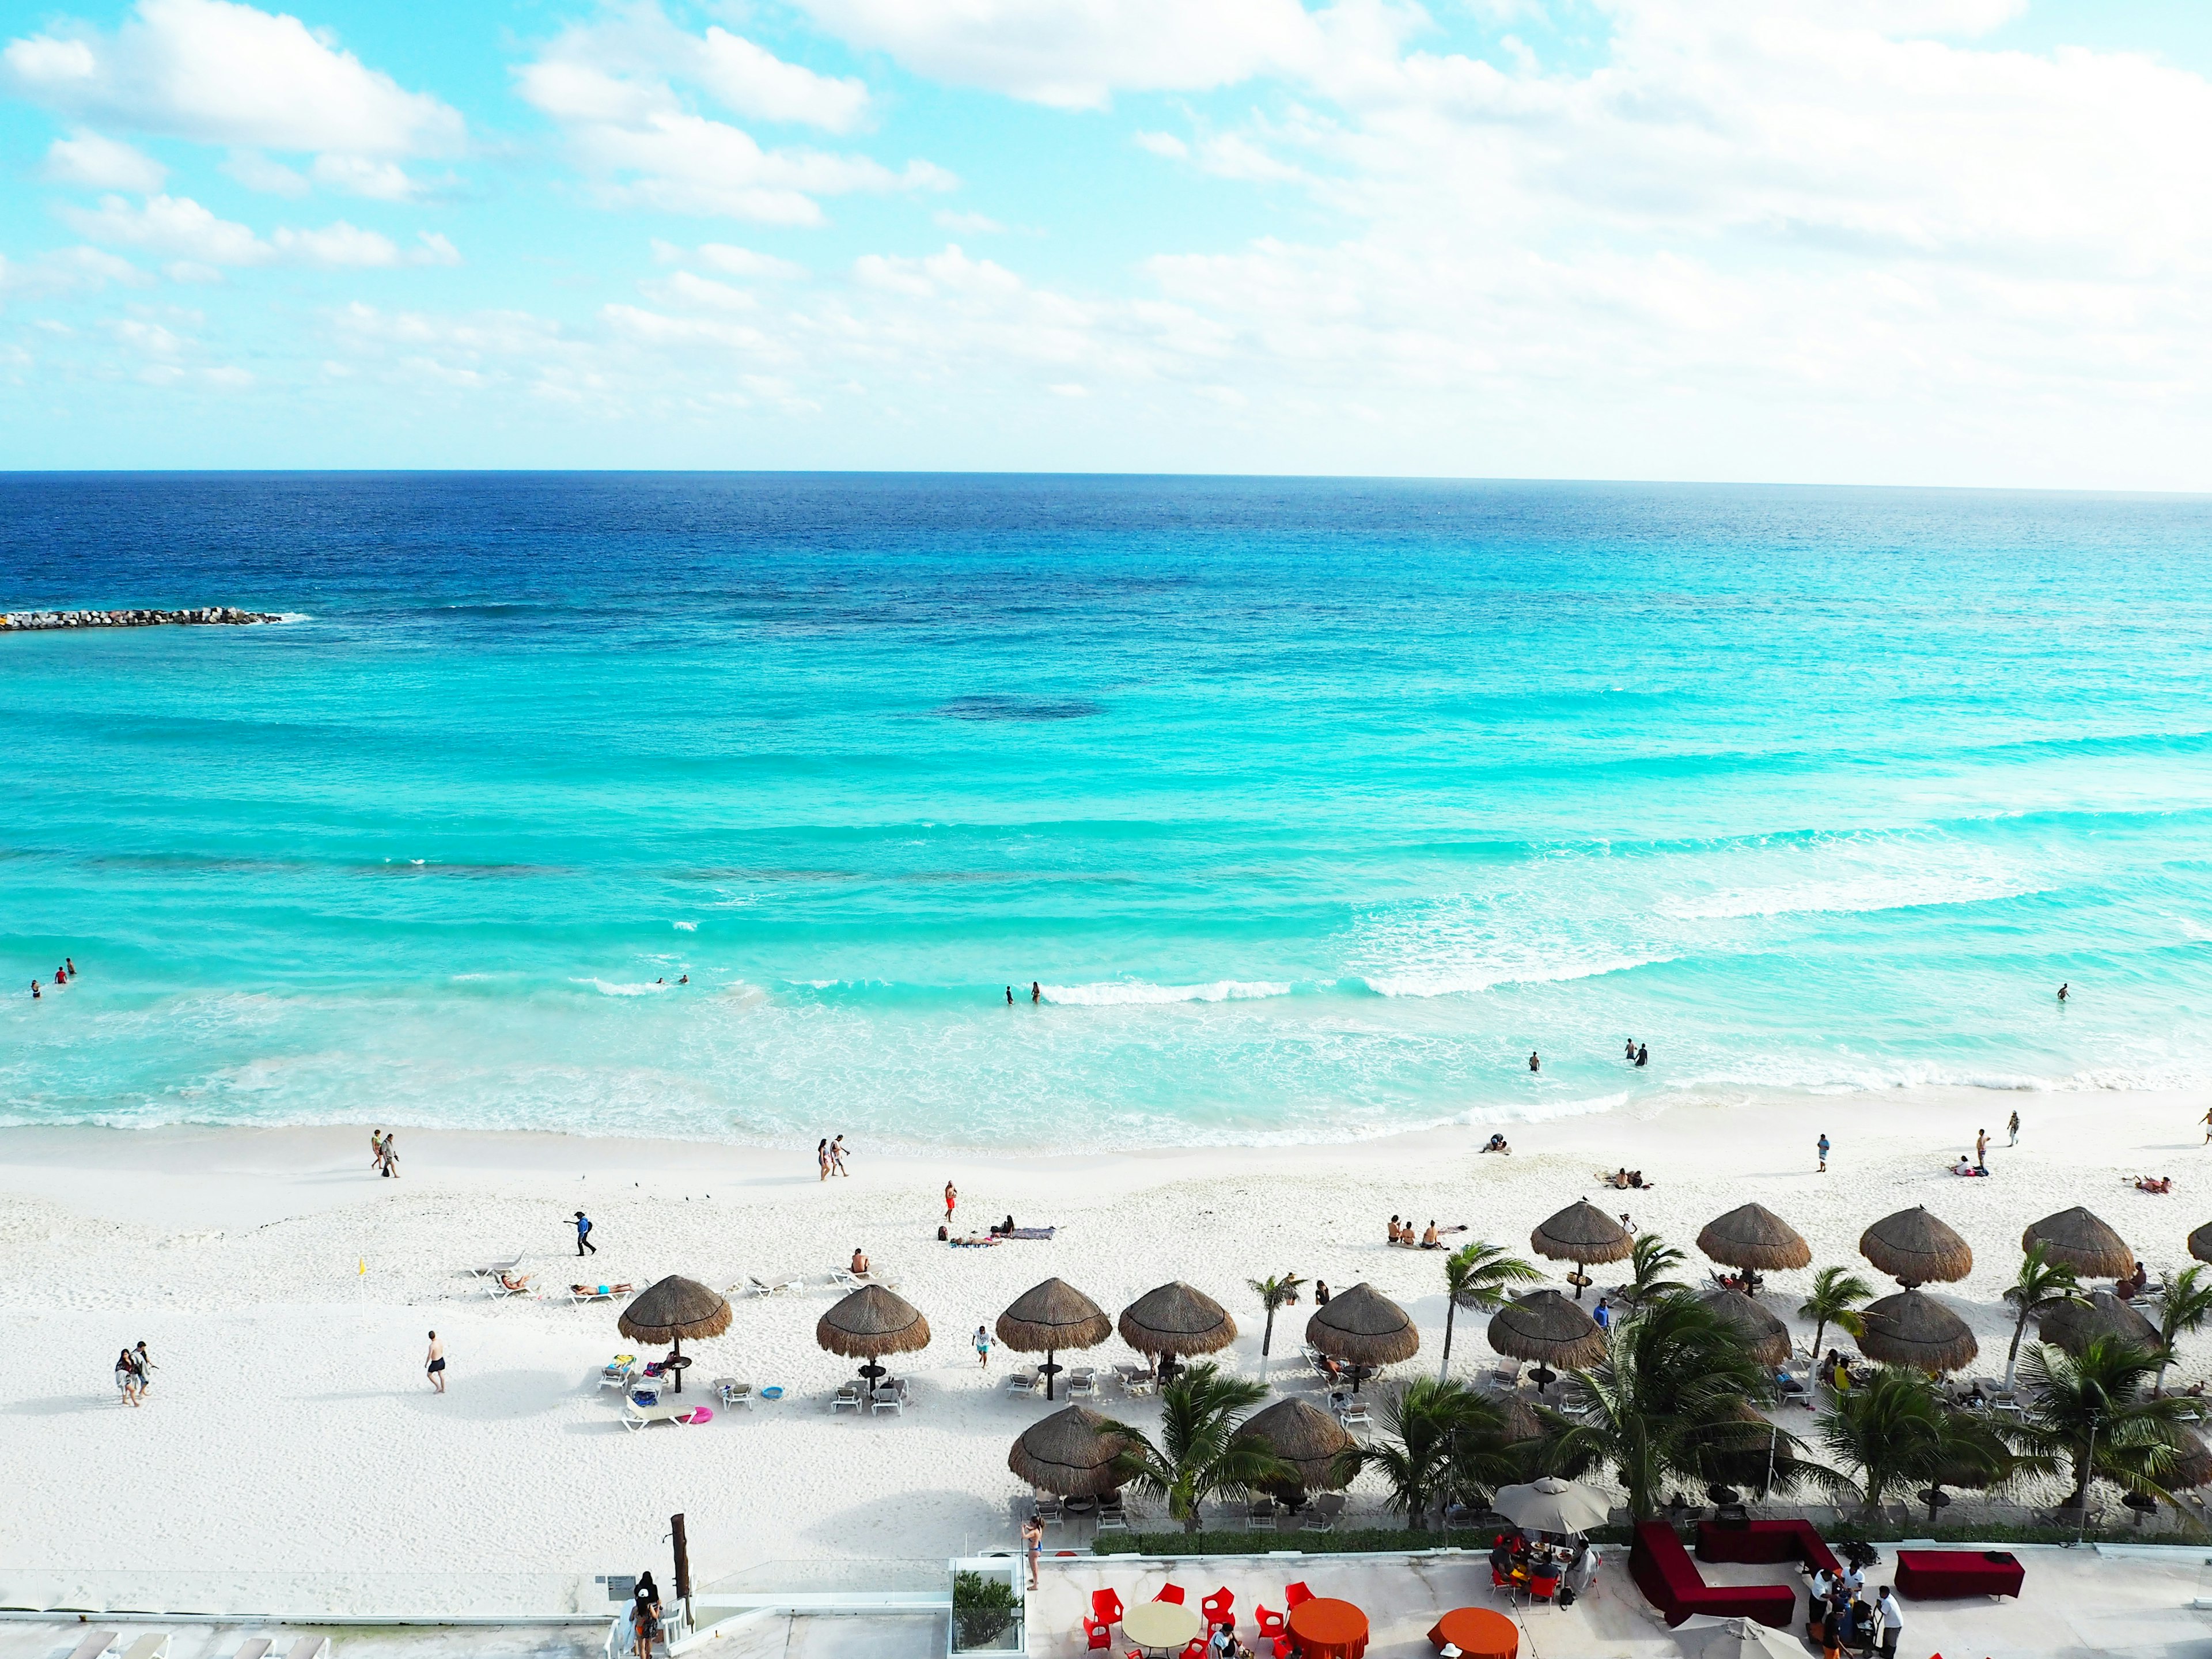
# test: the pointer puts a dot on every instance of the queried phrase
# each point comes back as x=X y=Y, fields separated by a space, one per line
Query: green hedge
x=1346 y=1541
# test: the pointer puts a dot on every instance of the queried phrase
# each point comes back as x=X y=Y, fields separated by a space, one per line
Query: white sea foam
x=1458 y=978
x=1120 y=992
x=610 y=988
x=685 y=926
x=1862 y=895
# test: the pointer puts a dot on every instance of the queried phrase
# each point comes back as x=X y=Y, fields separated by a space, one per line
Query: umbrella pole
x=1051 y=1375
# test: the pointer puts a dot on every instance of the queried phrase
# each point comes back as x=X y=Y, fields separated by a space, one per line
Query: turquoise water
x=1313 y=806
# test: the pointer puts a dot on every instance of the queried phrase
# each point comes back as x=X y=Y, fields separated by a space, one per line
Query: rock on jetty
x=207 y=613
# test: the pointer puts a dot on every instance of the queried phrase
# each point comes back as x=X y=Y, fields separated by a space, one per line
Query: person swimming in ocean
x=35 y=994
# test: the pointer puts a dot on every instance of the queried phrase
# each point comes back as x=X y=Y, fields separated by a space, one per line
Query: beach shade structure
x=2075 y=1238
x=1049 y=1317
x=2192 y=1468
x=1915 y=1248
x=2200 y=1242
x=2074 y=1325
x=1174 y=1320
x=1365 y=1329
x=1552 y=1504
x=1583 y=1234
x=1750 y=1452
x=1912 y=1328
x=1756 y=1240
x=1070 y=1453
x=870 y=1323
x=1767 y=1337
x=1308 y=1439
x=1738 y=1639
x=670 y=1311
x=1545 y=1327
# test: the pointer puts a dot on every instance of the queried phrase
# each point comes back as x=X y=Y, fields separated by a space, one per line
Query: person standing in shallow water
x=1642 y=1055
x=1534 y=1064
x=2062 y=992
x=1010 y=996
x=1036 y=993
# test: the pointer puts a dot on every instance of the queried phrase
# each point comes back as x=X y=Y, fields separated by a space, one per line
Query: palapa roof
x=1308 y=1439
x=1913 y=1328
x=1178 y=1319
x=674 y=1309
x=2074 y=1325
x=1741 y=1450
x=1546 y=1328
x=1071 y=1452
x=871 y=1322
x=1768 y=1336
x=2200 y=1242
x=1752 y=1237
x=1915 y=1248
x=1364 y=1327
x=1052 y=1316
x=1583 y=1232
x=2076 y=1239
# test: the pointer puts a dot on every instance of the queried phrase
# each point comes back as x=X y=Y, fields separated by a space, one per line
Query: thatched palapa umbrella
x=1070 y=1453
x=2075 y=1238
x=1365 y=1329
x=1175 y=1320
x=1753 y=1238
x=2200 y=1242
x=870 y=1323
x=1050 y=1317
x=1912 y=1328
x=1767 y=1337
x=1583 y=1234
x=2074 y=1325
x=670 y=1311
x=2192 y=1467
x=1308 y=1439
x=1914 y=1247
x=1545 y=1327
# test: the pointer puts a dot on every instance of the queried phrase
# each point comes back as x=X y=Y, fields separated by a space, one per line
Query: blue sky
x=1958 y=241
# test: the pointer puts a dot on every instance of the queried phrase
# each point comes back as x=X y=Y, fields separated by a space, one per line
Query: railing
x=310 y=1597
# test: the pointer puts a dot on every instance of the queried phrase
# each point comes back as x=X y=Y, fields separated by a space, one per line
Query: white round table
x=1160 y=1624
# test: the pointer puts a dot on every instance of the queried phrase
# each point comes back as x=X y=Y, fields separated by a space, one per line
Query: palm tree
x=1274 y=1293
x=2043 y=1285
x=2093 y=1411
x=1439 y=1435
x=1478 y=1276
x=1834 y=1300
x=1895 y=1429
x=2188 y=1305
x=1197 y=1454
x=1649 y=1263
x=1672 y=1386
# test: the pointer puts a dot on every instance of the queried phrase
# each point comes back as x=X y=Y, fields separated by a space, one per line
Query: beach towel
x=1032 y=1232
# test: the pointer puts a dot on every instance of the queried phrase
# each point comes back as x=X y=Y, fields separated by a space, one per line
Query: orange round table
x=1477 y=1632
x=1326 y=1628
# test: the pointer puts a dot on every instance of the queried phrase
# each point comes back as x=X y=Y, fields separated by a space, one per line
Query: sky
x=1956 y=242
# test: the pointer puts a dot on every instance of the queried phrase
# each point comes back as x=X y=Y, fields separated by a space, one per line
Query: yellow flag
x=364 y=1267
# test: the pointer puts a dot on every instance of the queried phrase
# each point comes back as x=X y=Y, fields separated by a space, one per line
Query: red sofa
x=1929 y=1574
x=1761 y=1541
x=1668 y=1577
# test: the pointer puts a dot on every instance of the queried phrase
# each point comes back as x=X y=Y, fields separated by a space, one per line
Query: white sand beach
x=288 y=1429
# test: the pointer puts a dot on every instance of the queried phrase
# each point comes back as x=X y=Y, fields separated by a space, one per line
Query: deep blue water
x=1313 y=806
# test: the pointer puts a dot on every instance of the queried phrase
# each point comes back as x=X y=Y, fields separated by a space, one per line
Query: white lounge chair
x=500 y=1284
x=1112 y=1517
x=252 y=1647
x=1022 y=1381
x=846 y=1397
x=311 y=1647
x=1047 y=1507
x=94 y=1643
x=1082 y=1384
x=1135 y=1379
x=733 y=1392
x=617 y=1372
x=154 y=1645
x=889 y=1397
x=636 y=1416
x=1260 y=1516
x=579 y=1294
x=1322 y=1516
x=772 y=1286
x=494 y=1269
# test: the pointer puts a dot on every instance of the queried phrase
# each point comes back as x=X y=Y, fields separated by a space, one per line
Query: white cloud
x=616 y=88
x=359 y=175
x=67 y=270
x=220 y=73
x=179 y=228
x=96 y=162
x=976 y=224
x=257 y=172
x=744 y=262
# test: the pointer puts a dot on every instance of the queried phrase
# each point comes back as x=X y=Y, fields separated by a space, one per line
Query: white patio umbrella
x=1738 y=1639
x=1552 y=1504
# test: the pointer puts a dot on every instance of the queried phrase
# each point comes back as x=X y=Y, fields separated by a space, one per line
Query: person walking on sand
x=2207 y=1128
x=376 y=1148
x=837 y=1156
x=982 y=1341
x=951 y=1198
x=584 y=1235
x=1824 y=1151
x=2015 y=1128
x=126 y=1376
x=434 y=1364
x=1981 y=1149
x=822 y=1157
x=144 y=1362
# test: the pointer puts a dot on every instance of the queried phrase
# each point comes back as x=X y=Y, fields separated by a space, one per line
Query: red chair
x=1269 y=1621
x=1280 y=1648
x=1096 y=1635
x=1106 y=1607
x=1543 y=1587
x=1218 y=1607
x=1194 y=1648
x=1295 y=1595
x=1171 y=1593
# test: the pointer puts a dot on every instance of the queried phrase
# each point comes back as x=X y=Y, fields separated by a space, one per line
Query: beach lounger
x=891 y=1397
x=495 y=1269
x=1352 y=1413
x=1023 y=1383
x=95 y=1643
x=847 y=1394
x=1113 y=1517
x=253 y=1648
x=154 y=1645
x=1082 y=1382
x=617 y=1372
x=1135 y=1379
x=846 y=1279
x=1322 y=1516
x=500 y=1285
x=1261 y=1516
x=1046 y=1506
x=636 y=1416
x=311 y=1647
x=734 y=1392
x=578 y=1294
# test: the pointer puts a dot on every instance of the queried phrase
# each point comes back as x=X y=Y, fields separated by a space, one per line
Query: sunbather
x=515 y=1283
x=2160 y=1184
x=859 y=1263
x=1397 y=1232
x=1496 y=1144
x=1428 y=1240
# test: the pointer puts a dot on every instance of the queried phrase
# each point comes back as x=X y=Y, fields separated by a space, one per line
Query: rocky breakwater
x=206 y=613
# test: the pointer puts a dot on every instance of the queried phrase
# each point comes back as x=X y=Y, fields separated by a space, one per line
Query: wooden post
x=683 y=1568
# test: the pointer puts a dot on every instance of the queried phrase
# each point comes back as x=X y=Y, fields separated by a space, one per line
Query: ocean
x=1313 y=807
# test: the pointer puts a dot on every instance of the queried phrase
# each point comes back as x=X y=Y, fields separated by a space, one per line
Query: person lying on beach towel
x=975 y=1241
x=2147 y=1184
